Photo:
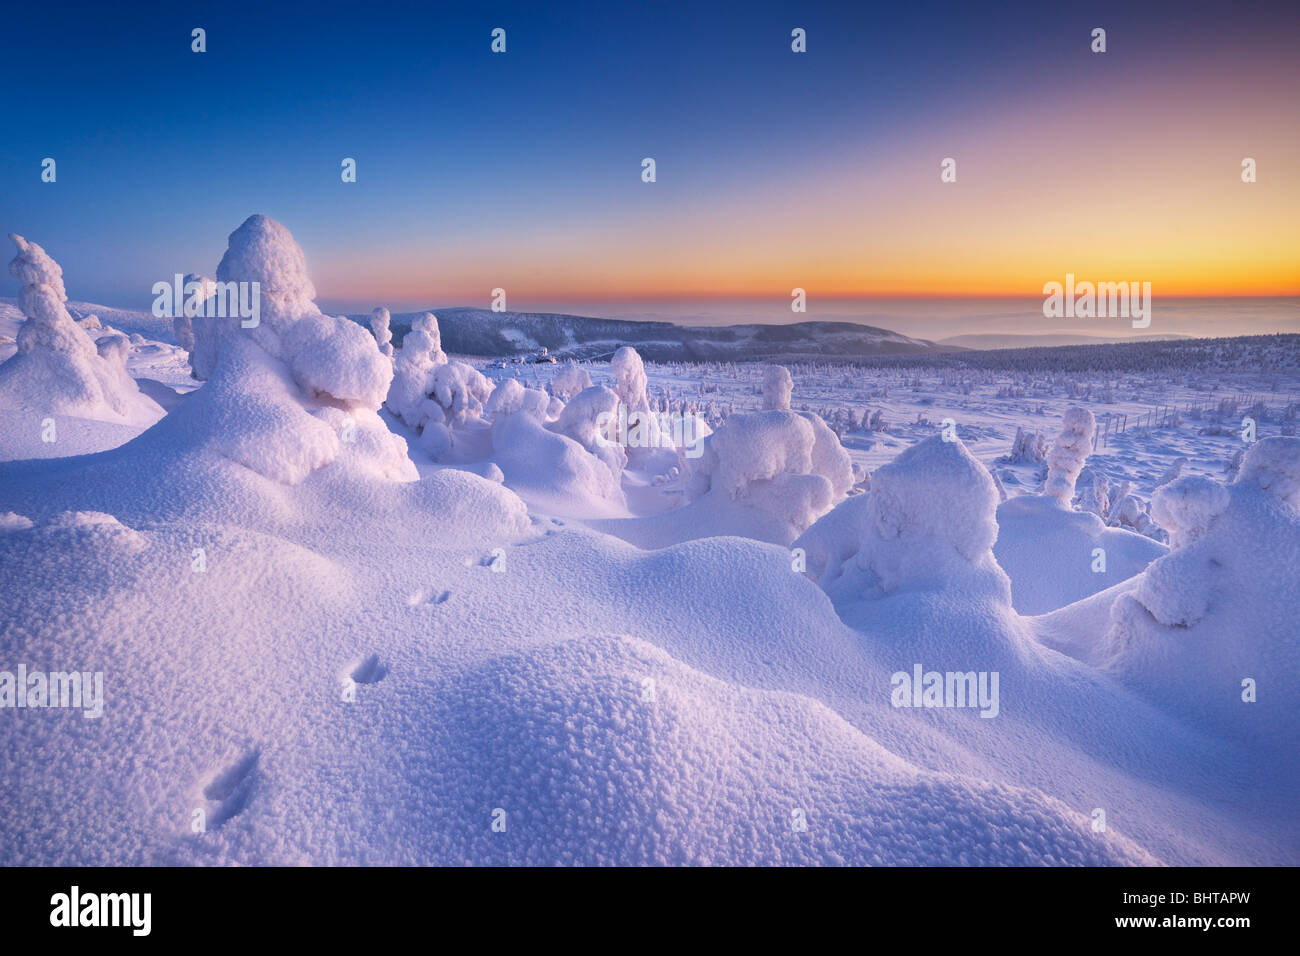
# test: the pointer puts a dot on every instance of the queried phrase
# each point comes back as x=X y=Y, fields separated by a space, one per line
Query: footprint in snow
x=230 y=789
x=426 y=598
x=370 y=671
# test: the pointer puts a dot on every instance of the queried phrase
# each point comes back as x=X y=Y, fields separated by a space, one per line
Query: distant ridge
x=486 y=333
x=1025 y=340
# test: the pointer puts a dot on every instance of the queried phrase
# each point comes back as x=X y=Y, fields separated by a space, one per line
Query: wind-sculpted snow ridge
x=1210 y=629
x=58 y=368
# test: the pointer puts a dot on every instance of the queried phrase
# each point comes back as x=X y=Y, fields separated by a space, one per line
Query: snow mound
x=1050 y=553
x=1209 y=630
x=58 y=369
x=1273 y=464
x=606 y=750
x=543 y=460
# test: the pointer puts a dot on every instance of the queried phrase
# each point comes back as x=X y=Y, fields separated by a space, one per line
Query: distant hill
x=486 y=333
x=1026 y=340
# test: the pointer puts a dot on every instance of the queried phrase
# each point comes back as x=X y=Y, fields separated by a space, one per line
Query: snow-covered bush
x=927 y=524
x=1127 y=510
x=1094 y=492
x=58 y=369
x=413 y=369
x=579 y=420
x=1028 y=448
x=436 y=396
x=449 y=414
x=629 y=379
x=1187 y=507
x=1069 y=452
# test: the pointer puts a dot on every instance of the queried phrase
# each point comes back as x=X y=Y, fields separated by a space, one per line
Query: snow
x=355 y=609
x=58 y=369
x=1067 y=455
x=1215 y=612
x=379 y=320
x=777 y=386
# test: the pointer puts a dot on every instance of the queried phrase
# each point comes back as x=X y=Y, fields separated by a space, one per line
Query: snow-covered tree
x=379 y=320
x=1069 y=452
x=777 y=386
x=58 y=367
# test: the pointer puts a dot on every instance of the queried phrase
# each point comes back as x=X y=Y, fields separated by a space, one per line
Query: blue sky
x=467 y=158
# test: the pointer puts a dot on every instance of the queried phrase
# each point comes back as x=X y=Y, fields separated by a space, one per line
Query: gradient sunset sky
x=775 y=169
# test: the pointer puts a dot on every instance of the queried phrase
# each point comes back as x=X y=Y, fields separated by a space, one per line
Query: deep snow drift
x=354 y=607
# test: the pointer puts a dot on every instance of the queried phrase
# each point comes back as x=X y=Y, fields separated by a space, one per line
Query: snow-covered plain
x=353 y=607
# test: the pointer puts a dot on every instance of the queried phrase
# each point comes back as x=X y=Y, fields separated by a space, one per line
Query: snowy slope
x=331 y=639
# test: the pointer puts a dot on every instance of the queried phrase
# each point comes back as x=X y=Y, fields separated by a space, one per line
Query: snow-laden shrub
x=936 y=491
x=1069 y=452
x=58 y=368
x=449 y=407
x=413 y=368
x=579 y=420
x=511 y=396
x=1174 y=470
x=1094 y=492
x=460 y=391
x=777 y=386
x=435 y=395
x=379 y=320
x=1028 y=448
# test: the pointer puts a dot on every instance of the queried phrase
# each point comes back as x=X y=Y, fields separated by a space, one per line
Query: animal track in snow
x=231 y=789
x=370 y=671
